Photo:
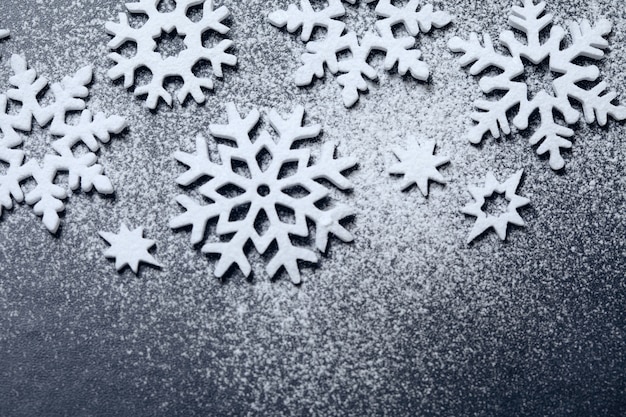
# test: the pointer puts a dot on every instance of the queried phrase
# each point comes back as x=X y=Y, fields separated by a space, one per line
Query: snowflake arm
x=181 y=65
x=4 y=33
x=419 y=165
x=530 y=20
x=129 y=248
x=499 y=223
x=17 y=171
x=263 y=191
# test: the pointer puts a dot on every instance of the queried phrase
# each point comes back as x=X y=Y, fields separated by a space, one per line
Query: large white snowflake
x=356 y=69
x=261 y=181
x=586 y=41
x=84 y=172
x=144 y=38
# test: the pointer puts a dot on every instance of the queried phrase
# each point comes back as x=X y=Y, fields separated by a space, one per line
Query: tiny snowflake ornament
x=587 y=41
x=500 y=223
x=419 y=165
x=195 y=51
x=129 y=248
x=264 y=192
x=90 y=131
x=355 y=69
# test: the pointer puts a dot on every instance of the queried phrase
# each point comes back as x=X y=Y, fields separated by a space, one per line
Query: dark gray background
x=407 y=320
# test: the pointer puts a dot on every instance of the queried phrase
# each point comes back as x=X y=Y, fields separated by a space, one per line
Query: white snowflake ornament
x=355 y=69
x=158 y=23
x=83 y=170
x=500 y=223
x=419 y=165
x=264 y=191
x=587 y=41
x=129 y=248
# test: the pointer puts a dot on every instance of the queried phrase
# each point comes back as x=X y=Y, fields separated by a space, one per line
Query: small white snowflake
x=83 y=170
x=500 y=223
x=182 y=65
x=586 y=41
x=129 y=248
x=419 y=165
x=264 y=189
x=355 y=69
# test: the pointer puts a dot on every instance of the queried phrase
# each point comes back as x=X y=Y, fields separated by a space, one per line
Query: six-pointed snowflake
x=500 y=223
x=419 y=165
x=586 y=41
x=355 y=69
x=265 y=189
x=83 y=170
x=182 y=65
x=129 y=248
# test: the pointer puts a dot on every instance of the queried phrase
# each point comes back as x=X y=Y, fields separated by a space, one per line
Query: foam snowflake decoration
x=586 y=41
x=419 y=165
x=500 y=223
x=129 y=248
x=356 y=69
x=195 y=51
x=264 y=192
x=84 y=172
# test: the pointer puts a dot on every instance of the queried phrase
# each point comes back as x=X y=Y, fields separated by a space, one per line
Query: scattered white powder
x=407 y=320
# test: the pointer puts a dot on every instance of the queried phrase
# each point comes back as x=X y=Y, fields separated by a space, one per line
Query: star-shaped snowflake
x=419 y=165
x=90 y=130
x=586 y=42
x=356 y=69
x=500 y=223
x=129 y=248
x=264 y=191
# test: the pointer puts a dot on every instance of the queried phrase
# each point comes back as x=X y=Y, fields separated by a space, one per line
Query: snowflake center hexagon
x=170 y=44
x=539 y=79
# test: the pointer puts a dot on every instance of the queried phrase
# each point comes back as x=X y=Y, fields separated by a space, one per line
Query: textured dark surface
x=408 y=320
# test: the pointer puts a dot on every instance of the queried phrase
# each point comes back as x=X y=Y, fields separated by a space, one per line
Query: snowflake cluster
x=356 y=69
x=147 y=56
x=247 y=188
x=84 y=172
x=587 y=41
